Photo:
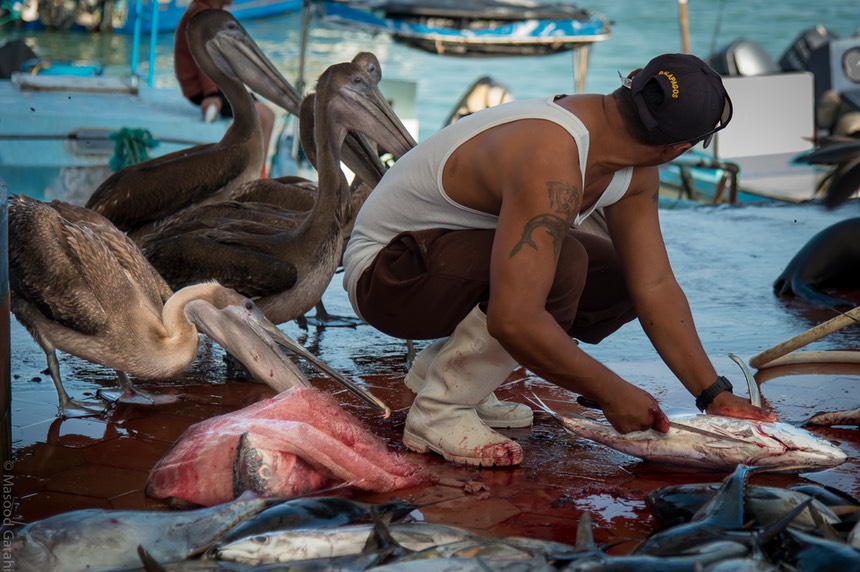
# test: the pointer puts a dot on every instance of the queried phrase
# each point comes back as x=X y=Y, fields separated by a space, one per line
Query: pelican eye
x=248 y=305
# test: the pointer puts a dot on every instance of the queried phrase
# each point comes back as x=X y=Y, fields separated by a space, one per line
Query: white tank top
x=411 y=197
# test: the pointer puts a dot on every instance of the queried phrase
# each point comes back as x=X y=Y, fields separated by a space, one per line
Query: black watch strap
x=706 y=397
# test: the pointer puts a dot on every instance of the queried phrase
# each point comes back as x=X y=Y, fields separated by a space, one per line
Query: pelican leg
x=68 y=407
x=323 y=318
x=128 y=394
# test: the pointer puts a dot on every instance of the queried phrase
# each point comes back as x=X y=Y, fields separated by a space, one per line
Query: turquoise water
x=641 y=30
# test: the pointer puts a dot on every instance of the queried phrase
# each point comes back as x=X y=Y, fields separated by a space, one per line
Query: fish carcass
x=296 y=442
x=715 y=442
x=98 y=539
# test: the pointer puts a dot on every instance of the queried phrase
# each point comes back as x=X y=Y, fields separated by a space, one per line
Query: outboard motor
x=743 y=57
x=796 y=56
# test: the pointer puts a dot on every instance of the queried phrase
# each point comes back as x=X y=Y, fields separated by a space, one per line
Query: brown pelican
x=842 y=154
x=298 y=194
x=154 y=189
x=346 y=99
x=81 y=286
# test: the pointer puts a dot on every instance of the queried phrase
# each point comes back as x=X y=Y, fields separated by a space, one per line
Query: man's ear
x=671 y=152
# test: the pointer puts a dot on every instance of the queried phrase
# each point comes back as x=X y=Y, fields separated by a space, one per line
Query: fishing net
x=132 y=146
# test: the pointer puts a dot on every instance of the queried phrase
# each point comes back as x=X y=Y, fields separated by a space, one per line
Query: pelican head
x=354 y=90
x=236 y=54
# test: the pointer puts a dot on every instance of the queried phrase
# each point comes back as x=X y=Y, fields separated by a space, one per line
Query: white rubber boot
x=468 y=367
x=494 y=413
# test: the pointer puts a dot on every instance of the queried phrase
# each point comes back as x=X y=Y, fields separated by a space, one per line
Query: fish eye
x=262 y=539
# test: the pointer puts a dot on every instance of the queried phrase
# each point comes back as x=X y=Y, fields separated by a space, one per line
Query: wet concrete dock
x=726 y=259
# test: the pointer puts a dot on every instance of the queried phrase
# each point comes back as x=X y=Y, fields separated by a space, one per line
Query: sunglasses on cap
x=706 y=137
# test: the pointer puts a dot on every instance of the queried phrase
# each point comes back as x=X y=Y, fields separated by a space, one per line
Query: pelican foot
x=322 y=318
x=134 y=396
x=332 y=321
x=73 y=409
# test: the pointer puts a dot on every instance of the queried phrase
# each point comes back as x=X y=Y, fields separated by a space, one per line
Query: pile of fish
x=773 y=529
x=714 y=442
x=710 y=527
x=297 y=442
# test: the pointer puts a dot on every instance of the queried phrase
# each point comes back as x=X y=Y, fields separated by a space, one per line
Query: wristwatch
x=707 y=396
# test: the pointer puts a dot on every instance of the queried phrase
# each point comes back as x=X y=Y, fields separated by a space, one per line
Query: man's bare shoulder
x=645 y=180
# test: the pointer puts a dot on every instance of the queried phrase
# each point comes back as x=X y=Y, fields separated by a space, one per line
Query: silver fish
x=97 y=539
x=854 y=536
x=294 y=545
x=764 y=505
x=829 y=418
x=777 y=446
x=474 y=564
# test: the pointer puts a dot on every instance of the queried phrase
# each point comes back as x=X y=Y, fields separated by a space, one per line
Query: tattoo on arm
x=656 y=196
x=555 y=226
x=565 y=201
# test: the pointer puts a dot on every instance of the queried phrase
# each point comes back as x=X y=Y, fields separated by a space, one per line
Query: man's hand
x=635 y=410
x=731 y=405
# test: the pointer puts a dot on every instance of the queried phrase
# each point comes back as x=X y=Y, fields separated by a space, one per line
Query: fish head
x=245 y=550
x=803 y=450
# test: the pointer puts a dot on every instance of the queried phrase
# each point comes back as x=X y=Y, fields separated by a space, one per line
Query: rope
x=132 y=146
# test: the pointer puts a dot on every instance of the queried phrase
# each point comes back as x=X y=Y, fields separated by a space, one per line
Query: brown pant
x=424 y=283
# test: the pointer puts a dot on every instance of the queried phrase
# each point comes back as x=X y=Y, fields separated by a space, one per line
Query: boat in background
x=170 y=11
x=478 y=28
x=64 y=133
x=481 y=28
x=777 y=119
x=120 y=16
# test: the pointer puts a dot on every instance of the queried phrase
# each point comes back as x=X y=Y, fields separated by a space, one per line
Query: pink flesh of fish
x=330 y=446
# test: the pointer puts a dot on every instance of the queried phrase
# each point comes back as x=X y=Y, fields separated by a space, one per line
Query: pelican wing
x=123 y=250
x=235 y=259
x=216 y=215
x=289 y=193
x=49 y=259
x=147 y=191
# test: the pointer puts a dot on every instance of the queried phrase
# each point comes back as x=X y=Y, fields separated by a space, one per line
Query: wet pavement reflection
x=725 y=258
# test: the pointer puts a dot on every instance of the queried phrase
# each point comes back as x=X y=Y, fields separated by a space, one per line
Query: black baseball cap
x=695 y=104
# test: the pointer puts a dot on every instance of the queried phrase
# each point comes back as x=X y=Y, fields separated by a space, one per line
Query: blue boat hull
x=169 y=13
x=479 y=37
